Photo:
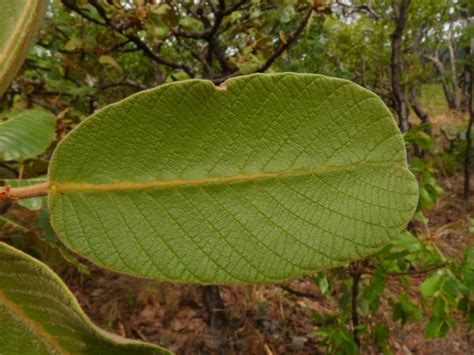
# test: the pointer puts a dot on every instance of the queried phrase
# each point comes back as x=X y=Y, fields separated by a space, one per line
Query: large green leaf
x=26 y=134
x=264 y=178
x=39 y=315
x=19 y=24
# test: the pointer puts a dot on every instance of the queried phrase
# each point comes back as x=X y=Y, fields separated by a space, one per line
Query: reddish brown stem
x=8 y=193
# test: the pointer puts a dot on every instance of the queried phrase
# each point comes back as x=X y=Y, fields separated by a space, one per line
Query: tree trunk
x=454 y=74
x=465 y=86
x=448 y=93
x=468 y=156
x=419 y=111
x=400 y=17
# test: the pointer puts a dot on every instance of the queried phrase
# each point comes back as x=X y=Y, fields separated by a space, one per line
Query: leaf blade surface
x=265 y=178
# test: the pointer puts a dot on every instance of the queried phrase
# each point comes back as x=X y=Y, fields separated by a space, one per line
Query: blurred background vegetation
x=413 y=296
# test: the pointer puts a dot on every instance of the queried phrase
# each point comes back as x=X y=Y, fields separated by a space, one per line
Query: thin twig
x=289 y=42
x=279 y=51
x=131 y=38
x=412 y=272
x=77 y=9
x=360 y=8
x=301 y=293
x=420 y=272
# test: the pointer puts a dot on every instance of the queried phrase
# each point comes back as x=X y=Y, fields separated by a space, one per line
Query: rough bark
x=400 y=10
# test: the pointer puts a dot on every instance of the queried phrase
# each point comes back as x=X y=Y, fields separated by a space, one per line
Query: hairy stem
x=7 y=193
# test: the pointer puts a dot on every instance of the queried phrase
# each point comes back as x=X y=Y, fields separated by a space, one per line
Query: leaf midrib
x=31 y=325
x=63 y=187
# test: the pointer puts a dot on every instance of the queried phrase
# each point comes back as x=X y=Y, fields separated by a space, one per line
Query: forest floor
x=263 y=319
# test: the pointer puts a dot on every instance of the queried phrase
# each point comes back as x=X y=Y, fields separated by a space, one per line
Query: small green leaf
x=380 y=336
x=431 y=285
x=375 y=289
x=26 y=134
x=73 y=44
x=190 y=23
x=404 y=310
x=324 y=332
x=107 y=59
x=264 y=178
x=450 y=289
x=287 y=13
x=433 y=327
x=407 y=241
x=439 y=307
x=35 y=203
x=19 y=24
x=322 y=282
x=468 y=270
x=39 y=315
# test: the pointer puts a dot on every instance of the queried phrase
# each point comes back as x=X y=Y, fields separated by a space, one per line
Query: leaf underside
x=264 y=178
x=39 y=315
x=19 y=24
x=26 y=134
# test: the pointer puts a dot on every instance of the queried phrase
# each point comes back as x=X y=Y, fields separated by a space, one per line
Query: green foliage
x=404 y=310
x=339 y=340
x=26 y=134
x=451 y=159
x=450 y=289
x=429 y=189
x=40 y=315
x=418 y=136
x=216 y=184
x=91 y=65
x=443 y=293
